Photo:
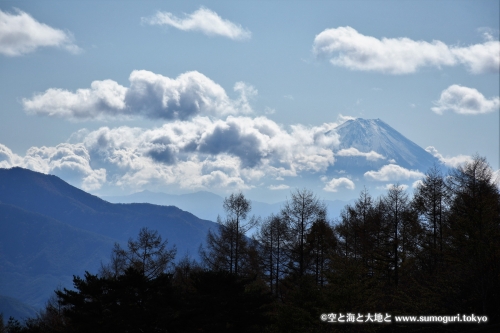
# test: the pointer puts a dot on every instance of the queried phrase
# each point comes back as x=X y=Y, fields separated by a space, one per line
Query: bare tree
x=273 y=237
x=430 y=203
x=227 y=245
x=299 y=213
x=237 y=208
x=321 y=244
x=396 y=204
x=148 y=255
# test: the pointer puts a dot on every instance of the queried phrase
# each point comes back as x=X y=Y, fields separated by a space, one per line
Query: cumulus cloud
x=392 y=172
x=203 y=20
x=335 y=183
x=202 y=153
x=464 y=100
x=149 y=95
x=7 y=158
x=346 y=47
x=68 y=161
x=370 y=156
x=453 y=161
x=20 y=34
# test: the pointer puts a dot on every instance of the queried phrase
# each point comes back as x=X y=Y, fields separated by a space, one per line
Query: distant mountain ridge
x=50 y=230
x=207 y=205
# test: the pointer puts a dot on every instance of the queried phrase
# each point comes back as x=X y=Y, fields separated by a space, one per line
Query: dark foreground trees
x=137 y=292
x=436 y=253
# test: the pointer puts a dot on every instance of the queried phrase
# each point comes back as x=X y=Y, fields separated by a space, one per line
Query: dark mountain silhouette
x=50 y=230
x=50 y=196
x=205 y=205
x=39 y=253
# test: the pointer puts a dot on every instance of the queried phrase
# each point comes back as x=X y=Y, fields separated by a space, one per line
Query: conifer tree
x=273 y=237
x=148 y=255
x=228 y=248
x=300 y=212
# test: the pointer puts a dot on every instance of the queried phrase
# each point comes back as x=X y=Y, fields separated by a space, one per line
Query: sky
x=117 y=97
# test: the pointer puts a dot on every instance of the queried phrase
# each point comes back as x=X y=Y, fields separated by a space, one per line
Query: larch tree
x=228 y=244
x=273 y=237
x=300 y=212
x=148 y=255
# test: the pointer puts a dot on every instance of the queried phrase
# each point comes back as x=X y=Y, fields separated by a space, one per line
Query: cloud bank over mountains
x=20 y=34
x=346 y=47
x=149 y=95
x=235 y=153
x=201 y=153
x=206 y=143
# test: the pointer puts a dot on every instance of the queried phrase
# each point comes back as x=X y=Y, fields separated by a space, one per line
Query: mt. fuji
x=369 y=144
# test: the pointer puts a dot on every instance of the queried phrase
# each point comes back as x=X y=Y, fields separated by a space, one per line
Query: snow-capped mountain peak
x=375 y=136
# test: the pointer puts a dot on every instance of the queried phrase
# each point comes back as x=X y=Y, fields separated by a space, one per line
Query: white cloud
x=335 y=183
x=480 y=58
x=464 y=100
x=453 y=162
x=346 y=47
x=278 y=187
x=203 y=20
x=392 y=172
x=202 y=153
x=150 y=95
x=370 y=156
x=20 y=34
x=342 y=119
x=68 y=161
x=7 y=158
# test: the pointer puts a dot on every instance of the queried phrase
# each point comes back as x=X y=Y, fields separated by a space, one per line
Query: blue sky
x=179 y=96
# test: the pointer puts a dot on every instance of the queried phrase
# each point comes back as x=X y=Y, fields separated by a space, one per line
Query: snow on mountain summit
x=361 y=138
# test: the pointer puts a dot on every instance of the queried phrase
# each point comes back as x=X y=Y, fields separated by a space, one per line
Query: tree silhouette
x=299 y=213
x=273 y=237
x=148 y=255
x=228 y=248
x=474 y=229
